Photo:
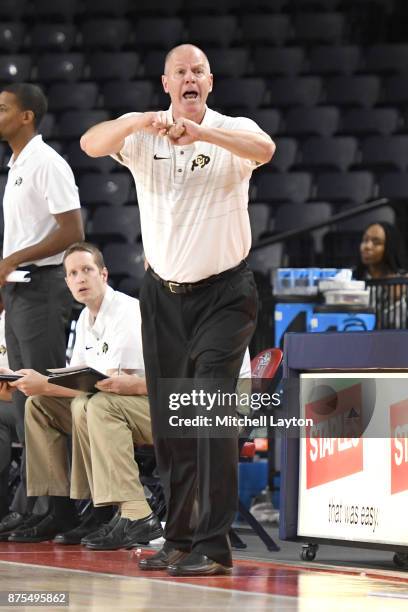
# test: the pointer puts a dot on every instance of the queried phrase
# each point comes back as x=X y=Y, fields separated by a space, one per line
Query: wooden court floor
x=105 y=581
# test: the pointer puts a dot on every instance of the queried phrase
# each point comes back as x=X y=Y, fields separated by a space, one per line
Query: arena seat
x=381 y=121
x=293 y=187
x=359 y=223
x=11 y=36
x=159 y=32
x=328 y=153
x=109 y=34
x=133 y=94
x=295 y=91
x=345 y=187
x=265 y=29
x=60 y=67
x=361 y=90
x=64 y=96
x=107 y=8
x=385 y=152
x=395 y=91
x=248 y=92
x=111 y=189
x=337 y=59
x=12 y=9
x=124 y=260
x=281 y=61
x=285 y=156
x=393 y=185
x=319 y=27
x=264 y=259
x=386 y=58
x=315 y=121
x=121 y=226
x=81 y=162
x=123 y=66
x=73 y=124
x=229 y=62
x=209 y=30
x=53 y=37
x=15 y=68
x=49 y=9
x=259 y=217
x=269 y=119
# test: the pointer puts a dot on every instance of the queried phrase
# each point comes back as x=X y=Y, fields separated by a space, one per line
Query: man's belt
x=190 y=287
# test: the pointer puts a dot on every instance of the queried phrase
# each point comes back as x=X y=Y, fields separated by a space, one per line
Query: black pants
x=201 y=335
x=35 y=324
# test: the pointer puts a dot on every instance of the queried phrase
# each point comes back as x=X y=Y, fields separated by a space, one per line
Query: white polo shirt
x=115 y=337
x=193 y=201
x=40 y=184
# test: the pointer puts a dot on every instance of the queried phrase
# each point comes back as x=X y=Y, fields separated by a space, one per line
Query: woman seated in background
x=383 y=257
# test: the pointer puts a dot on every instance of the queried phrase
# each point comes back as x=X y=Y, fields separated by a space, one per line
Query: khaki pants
x=104 y=427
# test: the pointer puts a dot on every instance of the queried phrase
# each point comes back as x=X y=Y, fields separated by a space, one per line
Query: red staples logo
x=333 y=446
x=399 y=446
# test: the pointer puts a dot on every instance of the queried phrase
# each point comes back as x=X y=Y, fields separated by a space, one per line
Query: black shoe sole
x=216 y=571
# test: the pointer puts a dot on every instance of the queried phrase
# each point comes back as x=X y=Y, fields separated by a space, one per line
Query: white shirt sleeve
x=130 y=149
x=58 y=186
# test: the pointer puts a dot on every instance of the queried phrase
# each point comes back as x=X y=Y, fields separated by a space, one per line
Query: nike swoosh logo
x=88 y=347
x=157 y=157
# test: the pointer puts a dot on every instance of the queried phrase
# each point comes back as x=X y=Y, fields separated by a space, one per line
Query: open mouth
x=190 y=95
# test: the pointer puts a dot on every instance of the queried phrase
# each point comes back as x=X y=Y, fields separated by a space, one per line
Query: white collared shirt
x=193 y=201
x=40 y=184
x=114 y=339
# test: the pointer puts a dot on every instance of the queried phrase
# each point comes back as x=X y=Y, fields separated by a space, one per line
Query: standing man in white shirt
x=192 y=167
x=41 y=219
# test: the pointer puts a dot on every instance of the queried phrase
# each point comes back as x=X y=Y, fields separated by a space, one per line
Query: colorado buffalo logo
x=200 y=161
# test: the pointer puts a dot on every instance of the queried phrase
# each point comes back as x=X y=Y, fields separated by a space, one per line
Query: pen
x=119 y=370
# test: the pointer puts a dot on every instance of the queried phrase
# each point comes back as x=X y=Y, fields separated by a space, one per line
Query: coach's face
x=188 y=81
x=86 y=281
x=12 y=117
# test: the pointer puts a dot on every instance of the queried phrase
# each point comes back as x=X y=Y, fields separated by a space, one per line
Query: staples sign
x=399 y=446
x=333 y=446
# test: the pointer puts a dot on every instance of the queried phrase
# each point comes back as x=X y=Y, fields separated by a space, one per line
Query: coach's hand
x=184 y=132
x=32 y=383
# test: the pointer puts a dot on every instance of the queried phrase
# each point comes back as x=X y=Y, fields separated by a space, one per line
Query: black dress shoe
x=127 y=534
x=196 y=564
x=9 y=523
x=87 y=527
x=45 y=530
x=102 y=531
x=19 y=522
x=162 y=559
